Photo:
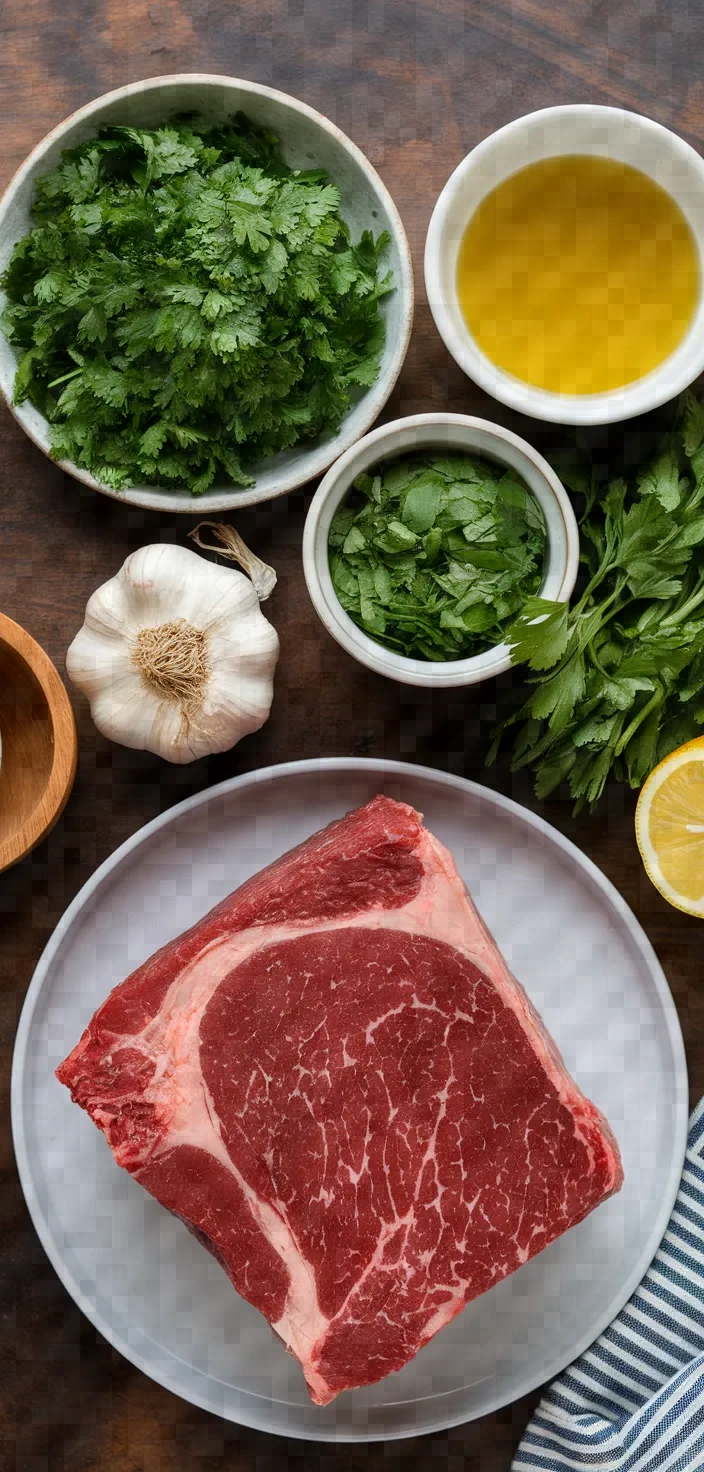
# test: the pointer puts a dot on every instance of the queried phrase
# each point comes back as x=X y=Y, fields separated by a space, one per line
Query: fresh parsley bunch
x=185 y=303
x=434 y=554
x=620 y=673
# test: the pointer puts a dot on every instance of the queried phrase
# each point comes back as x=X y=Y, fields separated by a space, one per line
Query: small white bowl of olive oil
x=564 y=264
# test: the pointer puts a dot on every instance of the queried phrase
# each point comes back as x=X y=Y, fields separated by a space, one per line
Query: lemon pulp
x=676 y=829
x=578 y=274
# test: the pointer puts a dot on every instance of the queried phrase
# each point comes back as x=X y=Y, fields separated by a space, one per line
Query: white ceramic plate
x=142 y=1279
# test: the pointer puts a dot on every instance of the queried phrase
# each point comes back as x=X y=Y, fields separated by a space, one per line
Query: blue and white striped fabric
x=635 y=1401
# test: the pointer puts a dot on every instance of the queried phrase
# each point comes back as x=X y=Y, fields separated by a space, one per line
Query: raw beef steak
x=336 y=1083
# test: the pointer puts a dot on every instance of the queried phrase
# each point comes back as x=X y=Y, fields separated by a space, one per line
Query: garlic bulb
x=175 y=655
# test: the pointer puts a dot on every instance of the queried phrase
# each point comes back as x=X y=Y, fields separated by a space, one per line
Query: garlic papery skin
x=175 y=655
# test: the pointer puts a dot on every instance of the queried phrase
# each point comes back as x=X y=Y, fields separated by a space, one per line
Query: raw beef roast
x=336 y=1083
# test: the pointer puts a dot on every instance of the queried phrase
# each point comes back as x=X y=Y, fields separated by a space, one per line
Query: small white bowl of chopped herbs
x=429 y=538
x=207 y=293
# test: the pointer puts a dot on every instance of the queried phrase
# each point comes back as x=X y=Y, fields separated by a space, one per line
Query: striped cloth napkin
x=635 y=1401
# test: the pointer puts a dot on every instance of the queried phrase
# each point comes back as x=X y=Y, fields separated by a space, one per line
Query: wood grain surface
x=415 y=85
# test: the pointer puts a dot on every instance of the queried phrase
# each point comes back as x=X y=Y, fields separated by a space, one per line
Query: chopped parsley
x=185 y=303
x=433 y=555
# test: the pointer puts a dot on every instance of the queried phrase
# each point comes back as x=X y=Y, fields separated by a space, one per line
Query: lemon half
x=670 y=827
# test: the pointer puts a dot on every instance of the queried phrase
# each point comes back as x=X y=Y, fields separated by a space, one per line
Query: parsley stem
x=532 y=753
x=630 y=731
x=591 y=651
x=601 y=610
x=65 y=378
x=594 y=582
x=684 y=612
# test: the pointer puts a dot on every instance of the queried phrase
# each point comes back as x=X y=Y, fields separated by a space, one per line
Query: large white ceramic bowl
x=576 y=129
x=307 y=140
x=440 y=432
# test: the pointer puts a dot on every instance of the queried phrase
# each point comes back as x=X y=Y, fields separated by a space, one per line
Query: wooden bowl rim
x=53 y=800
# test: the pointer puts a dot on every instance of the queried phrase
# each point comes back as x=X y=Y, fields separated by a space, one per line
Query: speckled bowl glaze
x=307 y=140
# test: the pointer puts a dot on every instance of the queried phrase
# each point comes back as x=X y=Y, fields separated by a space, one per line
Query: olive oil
x=578 y=274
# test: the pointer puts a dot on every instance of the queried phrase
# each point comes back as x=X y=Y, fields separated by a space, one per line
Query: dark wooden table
x=416 y=85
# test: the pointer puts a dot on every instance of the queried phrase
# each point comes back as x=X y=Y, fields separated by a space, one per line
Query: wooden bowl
x=39 y=744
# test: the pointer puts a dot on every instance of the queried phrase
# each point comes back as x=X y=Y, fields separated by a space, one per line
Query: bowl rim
x=615 y=405
x=64 y=761
x=439 y=674
x=155 y=498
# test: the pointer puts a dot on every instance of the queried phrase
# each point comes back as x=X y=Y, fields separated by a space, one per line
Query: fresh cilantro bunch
x=620 y=679
x=185 y=303
x=434 y=554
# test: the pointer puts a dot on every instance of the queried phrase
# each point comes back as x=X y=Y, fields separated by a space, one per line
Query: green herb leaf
x=406 y=562
x=662 y=480
x=541 y=634
x=355 y=541
x=422 y=503
x=692 y=424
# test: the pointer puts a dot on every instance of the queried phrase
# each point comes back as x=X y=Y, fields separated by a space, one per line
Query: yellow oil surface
x=578 y=274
